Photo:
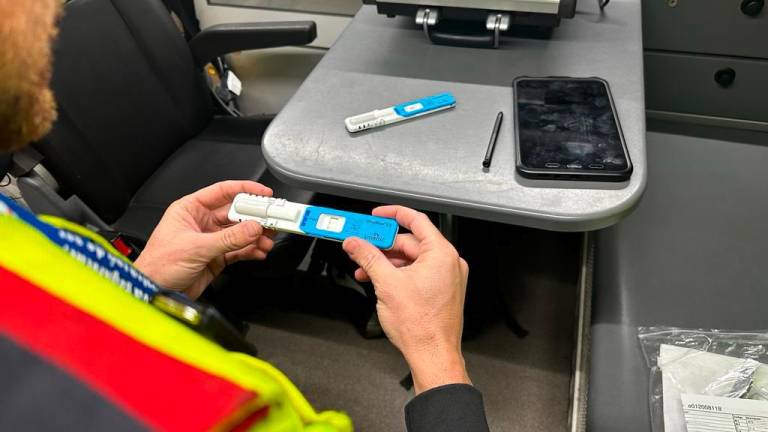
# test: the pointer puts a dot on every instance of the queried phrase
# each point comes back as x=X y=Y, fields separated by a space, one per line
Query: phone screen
x=568 y=125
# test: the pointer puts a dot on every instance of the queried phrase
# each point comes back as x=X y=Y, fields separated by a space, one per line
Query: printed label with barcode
x=719 y=414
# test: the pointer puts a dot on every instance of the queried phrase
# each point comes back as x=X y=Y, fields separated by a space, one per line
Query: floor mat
x=525 y=380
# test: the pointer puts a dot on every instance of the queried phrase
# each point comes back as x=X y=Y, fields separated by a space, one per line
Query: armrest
x=223 y=39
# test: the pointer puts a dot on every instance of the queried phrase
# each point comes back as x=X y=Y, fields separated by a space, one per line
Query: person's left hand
x=195 y=240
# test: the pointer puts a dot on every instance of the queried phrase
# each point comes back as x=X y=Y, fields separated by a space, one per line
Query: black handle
x=725 y=77
x=479 y=40
x=461 y=33
x=752 y=7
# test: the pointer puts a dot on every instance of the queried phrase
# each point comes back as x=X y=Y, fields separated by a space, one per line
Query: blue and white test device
x=281 y=215
x=398 y=113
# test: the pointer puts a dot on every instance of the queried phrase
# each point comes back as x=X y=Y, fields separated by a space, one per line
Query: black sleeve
x=453 y=407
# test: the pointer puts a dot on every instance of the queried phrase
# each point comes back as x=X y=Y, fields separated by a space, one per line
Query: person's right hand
x=420 y=285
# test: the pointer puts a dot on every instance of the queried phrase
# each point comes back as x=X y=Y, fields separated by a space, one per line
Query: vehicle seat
x=5 y=165
x=137 y=128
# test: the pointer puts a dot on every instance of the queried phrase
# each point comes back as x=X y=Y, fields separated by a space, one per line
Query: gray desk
x=693 y=255
x=434 y=163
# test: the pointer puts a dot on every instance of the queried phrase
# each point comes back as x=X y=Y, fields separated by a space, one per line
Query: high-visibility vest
x=151 y=367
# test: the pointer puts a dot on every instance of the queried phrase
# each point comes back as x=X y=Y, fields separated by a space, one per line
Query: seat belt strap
x=187 y=18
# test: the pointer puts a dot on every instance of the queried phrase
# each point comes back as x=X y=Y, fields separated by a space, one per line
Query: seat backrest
x=5 y=165
x=128 y=96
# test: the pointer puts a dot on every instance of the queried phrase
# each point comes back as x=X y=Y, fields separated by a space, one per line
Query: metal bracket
x=497 y=23
x=427 y=18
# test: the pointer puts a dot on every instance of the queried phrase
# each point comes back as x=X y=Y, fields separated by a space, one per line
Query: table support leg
x=449 y=227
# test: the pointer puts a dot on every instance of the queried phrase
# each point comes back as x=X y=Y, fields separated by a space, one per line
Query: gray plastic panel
x=686 y=83
x=692 y=254
x=705 y=26
x=332 y=7
x=536 y=6
x=434 y=163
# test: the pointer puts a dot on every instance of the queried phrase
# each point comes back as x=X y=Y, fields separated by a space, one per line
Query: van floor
x=518 y=342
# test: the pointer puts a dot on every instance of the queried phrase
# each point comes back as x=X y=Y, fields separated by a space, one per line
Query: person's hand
x=420 y=285
x=195 y=240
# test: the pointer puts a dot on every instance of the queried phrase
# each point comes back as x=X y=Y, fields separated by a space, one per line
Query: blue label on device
x=340 y=225
x=421 y=106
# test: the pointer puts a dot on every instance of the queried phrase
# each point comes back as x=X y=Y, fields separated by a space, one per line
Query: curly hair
x=27 y=106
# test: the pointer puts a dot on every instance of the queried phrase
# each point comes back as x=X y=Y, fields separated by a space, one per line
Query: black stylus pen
x=492 y=143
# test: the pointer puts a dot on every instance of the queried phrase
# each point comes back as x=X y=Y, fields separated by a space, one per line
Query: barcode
x=699 y=406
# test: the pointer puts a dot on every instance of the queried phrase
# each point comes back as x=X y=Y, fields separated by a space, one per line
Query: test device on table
x=398 y=113
x=281 y=215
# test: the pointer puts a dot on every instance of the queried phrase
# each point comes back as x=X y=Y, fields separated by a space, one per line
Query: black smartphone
x=567 y=129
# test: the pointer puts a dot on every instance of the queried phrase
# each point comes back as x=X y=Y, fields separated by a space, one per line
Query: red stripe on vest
x=251 y=420
x=156 y=389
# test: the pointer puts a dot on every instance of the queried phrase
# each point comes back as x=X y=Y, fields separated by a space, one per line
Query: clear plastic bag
x=701 y=361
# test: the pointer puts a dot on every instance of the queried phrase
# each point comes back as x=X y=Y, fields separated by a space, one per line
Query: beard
x=27 y=105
